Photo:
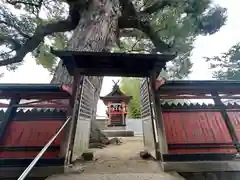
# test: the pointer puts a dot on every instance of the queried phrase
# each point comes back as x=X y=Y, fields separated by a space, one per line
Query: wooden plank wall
x=199 y=128
x=29 y=132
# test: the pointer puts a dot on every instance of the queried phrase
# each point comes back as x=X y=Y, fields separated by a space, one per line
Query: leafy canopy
x=19 y=21
x=148 y=26
x=177 y=24
x=227 y=65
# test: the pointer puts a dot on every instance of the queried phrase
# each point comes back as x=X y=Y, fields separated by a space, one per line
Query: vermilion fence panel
x=25 y=135
x=29 y=132
x=235 y=119
x=186 y=128
x=32 y=133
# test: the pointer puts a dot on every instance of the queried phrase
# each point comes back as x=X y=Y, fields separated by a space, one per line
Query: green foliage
x=227 y=65
x=212 y=21
x=20 y=20
x=42 y=53
x=177 y=25
x=44 y=57
x=131 y=87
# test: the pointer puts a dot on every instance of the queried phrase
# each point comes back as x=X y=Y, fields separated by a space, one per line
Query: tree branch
x=160 y=45
x=128 y=8
x=159 y=4
x=16 y=28
x=134 y=21
x=62 y=26
x=146 y=28
x=10 y=40
x=137 y=41
x=35 y=7
x=22 y=2
x=131 y=33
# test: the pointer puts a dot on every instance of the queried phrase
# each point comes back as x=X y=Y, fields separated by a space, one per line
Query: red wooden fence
x=187 y=128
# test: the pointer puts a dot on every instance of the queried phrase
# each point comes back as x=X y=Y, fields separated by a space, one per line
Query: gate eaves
x=113 y=64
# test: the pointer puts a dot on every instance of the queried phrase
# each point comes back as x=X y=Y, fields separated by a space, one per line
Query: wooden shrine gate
x=83 y=64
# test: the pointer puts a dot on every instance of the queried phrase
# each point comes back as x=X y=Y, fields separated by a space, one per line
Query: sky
x=208 y=46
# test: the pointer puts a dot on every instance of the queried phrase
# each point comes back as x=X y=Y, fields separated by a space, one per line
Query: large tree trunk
x=96 y=32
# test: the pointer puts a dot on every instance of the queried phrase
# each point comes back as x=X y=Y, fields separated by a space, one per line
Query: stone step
x=121 y=176
x=118 y=133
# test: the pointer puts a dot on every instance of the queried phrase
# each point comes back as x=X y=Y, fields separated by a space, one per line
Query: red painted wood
x=25 y=154
x=37 y=105
x=31 y=133
x=185 y=97
x=235 y=119
x=159 y=83
x=197 y=127
x=117 y=112
x=209 y=150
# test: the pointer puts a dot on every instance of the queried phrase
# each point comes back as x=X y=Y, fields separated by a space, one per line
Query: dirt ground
x=118 y=162
x=123 y=158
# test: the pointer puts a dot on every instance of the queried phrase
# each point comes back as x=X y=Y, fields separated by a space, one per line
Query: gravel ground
x=123 y=158
x=118 y=162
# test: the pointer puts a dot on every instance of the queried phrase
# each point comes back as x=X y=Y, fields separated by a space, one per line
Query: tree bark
x=96 y=32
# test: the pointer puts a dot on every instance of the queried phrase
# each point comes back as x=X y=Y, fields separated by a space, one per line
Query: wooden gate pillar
x=69 y=131
x=159 y=124
x=9 y=116
x=218 y=102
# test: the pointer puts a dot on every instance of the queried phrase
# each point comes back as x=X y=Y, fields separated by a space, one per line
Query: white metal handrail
x=29 y=168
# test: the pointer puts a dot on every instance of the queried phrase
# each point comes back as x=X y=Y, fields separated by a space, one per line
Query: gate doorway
x=83 y=64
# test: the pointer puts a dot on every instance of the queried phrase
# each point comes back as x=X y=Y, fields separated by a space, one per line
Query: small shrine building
x=117 y=106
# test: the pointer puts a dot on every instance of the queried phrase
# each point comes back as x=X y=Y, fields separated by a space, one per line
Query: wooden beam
x=37 y=105
x=36 y=172
x=202 y=166
x=196 y=97
x=158 y=116
x=229 y=124
x=9 y=115
x=185 y=97
x=169 y=110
